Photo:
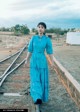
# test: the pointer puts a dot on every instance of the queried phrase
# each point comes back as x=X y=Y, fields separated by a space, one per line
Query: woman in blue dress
x=39 y=74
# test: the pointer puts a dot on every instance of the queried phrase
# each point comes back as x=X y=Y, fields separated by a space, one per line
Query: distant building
x=77 y=30
x=73 y=38
x=51 y=35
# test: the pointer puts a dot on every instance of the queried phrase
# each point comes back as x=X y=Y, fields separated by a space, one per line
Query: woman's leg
x=45 y=84
x=35 y=84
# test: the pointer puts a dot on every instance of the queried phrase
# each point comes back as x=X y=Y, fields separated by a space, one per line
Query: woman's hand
x=25 y=64
x=26 y=59
x=53 y=66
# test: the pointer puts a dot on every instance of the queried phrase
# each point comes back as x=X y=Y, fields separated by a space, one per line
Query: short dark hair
x=43 y=24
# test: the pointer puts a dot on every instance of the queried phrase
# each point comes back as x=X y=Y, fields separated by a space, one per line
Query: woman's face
x=41 y=29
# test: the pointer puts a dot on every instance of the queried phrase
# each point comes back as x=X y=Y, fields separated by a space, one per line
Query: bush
x=20 y=30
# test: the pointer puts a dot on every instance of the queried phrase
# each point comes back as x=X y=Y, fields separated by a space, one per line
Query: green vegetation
x=4 y=29
x=17 y=29
x=54 y=30
x=20 y=29
x=24 y=30
x=57 y=31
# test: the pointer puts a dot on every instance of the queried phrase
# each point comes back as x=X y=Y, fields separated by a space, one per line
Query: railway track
x=13 y=66
x=9 y=66
x=14 y=87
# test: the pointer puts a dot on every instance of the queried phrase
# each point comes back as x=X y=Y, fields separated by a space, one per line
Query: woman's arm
x=52 y=60
x=51 y=57
x=29 y=51
x=27 y=57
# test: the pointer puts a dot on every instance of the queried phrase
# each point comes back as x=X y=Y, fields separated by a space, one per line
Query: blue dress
x=39 y=78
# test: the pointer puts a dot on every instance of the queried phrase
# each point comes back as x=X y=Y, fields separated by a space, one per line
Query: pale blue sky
x=55 y=13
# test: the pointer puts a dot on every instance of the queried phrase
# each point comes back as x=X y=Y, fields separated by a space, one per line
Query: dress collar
x=40 y=37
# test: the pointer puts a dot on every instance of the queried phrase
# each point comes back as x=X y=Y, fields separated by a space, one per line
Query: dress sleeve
x=30 y=45
x=49 y=47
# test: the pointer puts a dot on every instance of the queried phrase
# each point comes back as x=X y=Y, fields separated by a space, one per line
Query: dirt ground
x=59 y=99
x=11 y=44
x=68 y=55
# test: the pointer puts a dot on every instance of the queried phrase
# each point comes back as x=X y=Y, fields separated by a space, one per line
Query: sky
x=55 y=13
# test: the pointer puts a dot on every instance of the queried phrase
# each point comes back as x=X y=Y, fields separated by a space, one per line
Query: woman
x=39 y=80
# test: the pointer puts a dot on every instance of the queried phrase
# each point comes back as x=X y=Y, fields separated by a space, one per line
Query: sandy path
x=11 y=44
x=69 y=57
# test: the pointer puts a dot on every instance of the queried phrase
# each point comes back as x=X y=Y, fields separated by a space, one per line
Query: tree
x=4 y=29
x=34 y=31
x=24 y=29
x=20 y=29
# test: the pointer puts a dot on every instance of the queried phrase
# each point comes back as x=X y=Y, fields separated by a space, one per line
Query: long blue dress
x=39 y=75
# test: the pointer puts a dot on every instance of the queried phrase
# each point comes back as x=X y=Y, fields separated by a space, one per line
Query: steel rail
x=9 y=57
x=3 y=79
x=12 y=63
